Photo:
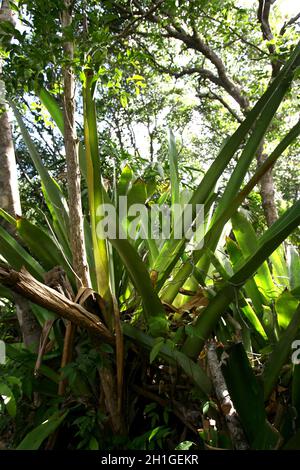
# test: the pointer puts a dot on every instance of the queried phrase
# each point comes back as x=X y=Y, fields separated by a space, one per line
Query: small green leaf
x=156 y=349
x=185 y=445
x=9 y=399
x=34 y=439
x=93 y=444
x=124 y=100
x=285 y=307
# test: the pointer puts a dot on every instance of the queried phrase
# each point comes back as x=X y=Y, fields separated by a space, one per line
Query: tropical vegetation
x=133 y=342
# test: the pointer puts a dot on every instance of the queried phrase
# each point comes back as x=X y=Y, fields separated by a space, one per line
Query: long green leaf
x=56 y=113
x=248 y=242
x=34 y=439
x=247 y=396
x=280 y=353
x=53 y=190
x=267 y=244
x=6 y=216
x=190 y=368
x=252 y=146
x=267 y=104
x=250 y=287
x=153 y=308
x=200 y=260
x=95 y=190
x=5 y=293
x=280 y=272
x=42 y=245
x=285 y=306
x=124 y=182
x=16 y=256
x=243 y=304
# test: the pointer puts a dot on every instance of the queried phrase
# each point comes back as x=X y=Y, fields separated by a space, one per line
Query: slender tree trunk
x=267 y=191
x=71 y=146
x=10 y=201
x=235 y=429
x=9 y=191
x=106 y=373
x=267 y=186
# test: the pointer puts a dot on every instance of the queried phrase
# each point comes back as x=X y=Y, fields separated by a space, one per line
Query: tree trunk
x=9 y=191
x=107 y=375
x=72 y=160
x=235 y=429
x=267 y=187
x=267 y=191
x=10 y=201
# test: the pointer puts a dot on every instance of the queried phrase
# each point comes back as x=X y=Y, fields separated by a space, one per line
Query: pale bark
x=107 y=376
x=26 y=285
x=30 y=328
x=76 y=228
x=267 y=191
x=10 y=201
x=267 y=187
x=233 y=423
x=9 y=191
x=72 y=159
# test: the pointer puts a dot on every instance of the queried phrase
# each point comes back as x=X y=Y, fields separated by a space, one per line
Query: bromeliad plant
x=236 y=297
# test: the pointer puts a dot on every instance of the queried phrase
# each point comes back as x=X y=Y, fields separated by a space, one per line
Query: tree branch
x=23 y=283
x=213 y=96
x=289 y=23
x=235 y=33
x=263 y=16
x=196 y=43
x=204 y=73
x=151 y=10
x=234 y=426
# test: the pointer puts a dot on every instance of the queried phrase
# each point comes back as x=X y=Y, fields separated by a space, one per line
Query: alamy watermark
x=155 y=222
x=2 y=352
x=2 y=92
x=296 y=353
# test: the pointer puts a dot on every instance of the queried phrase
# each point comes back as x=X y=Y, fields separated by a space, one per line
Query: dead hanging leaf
x=85 y=294
x=43 y=345
x=67 y=354
x=198 y=300
x=202 y=355
x=272 y=405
